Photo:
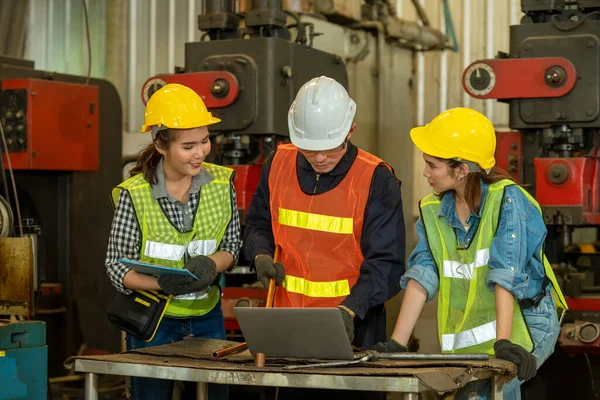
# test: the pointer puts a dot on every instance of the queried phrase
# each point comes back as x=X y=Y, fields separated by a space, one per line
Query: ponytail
x=149 y=157
x=473 y=186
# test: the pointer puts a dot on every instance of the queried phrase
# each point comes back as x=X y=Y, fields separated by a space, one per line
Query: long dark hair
x=473 y=186
x=149 y=157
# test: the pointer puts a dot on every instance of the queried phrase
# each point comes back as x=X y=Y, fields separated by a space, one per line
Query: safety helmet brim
x=419 y=138
x=210 y=121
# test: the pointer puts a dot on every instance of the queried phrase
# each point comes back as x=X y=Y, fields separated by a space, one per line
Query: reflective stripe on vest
x=175 y=252
x=163 y=244
x=316 y=222
x=318 y=235
x=295 y=284
x=471 y=337
x=455 y=269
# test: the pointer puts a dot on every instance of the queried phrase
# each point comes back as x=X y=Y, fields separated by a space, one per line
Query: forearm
x=369 y=291
x=505 y=303
x=135 y=281
x=412 y=305
x=223 y=259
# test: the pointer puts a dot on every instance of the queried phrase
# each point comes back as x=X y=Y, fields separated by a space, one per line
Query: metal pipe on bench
x=371 y=355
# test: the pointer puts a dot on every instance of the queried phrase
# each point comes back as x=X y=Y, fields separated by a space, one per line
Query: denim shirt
x=514 y=262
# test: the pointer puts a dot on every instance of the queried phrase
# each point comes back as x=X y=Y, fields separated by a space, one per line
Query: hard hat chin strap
x=156 y=129
x=473 y=167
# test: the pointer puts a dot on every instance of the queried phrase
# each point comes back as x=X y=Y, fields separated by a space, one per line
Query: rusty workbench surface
x=189 y=360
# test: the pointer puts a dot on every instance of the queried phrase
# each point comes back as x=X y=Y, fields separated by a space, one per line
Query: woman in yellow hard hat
x=480 y=248
x=180 y=212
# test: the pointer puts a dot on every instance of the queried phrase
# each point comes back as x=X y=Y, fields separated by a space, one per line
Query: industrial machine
x=61 y=153
x=23 y=374
x=249 y=65
x=551 y=80
x=248 y=77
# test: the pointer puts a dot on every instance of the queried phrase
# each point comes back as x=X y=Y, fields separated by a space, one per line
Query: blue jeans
x=542 y=322
x=173 y=330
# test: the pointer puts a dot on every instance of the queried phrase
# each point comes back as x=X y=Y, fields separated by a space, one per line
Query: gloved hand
x=526 y=364
x=267 y=269
x=348 y=322
x=389 y=346
x=203 y=267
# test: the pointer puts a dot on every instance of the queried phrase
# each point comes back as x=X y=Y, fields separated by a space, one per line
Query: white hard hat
x=321 y=116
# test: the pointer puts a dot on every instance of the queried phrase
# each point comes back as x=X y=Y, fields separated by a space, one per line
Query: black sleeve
x=258 y=233
x=382 y=243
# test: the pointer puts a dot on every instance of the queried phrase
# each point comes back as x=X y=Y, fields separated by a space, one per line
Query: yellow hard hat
x=459 y=133
x=177 y=107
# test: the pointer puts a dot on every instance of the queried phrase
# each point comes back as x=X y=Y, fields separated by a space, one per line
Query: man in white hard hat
x=335 y=214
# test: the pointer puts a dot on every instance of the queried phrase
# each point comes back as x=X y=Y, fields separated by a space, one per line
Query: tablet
x=154 y=269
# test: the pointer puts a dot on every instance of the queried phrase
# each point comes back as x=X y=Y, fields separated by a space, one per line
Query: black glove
x=266 y=269
x=203 y=267
x=514 y=353
x=348 y=323
x=389 y=346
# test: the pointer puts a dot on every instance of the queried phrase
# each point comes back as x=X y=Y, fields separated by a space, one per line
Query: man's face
x=324 y=161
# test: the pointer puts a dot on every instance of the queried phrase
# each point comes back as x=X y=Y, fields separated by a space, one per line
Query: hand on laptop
x=348 y=319
x=267 y=269
x=389 y=346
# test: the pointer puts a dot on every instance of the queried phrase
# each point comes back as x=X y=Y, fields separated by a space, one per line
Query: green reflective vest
x=163 y=244
x=466 y=306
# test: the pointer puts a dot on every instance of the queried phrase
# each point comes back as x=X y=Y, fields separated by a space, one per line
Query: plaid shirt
x=126 y=238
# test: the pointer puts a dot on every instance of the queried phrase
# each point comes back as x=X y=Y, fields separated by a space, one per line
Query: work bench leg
x=202 y=392
x=91 y=386
x=411 y=396
x=496 y=387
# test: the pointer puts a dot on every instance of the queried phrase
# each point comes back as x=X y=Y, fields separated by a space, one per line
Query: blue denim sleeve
x=516 y=246
x=421 y=266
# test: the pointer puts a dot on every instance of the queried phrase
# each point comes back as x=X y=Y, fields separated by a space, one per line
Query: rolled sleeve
x=509 y=251
x=421 y=266
x=425 y=277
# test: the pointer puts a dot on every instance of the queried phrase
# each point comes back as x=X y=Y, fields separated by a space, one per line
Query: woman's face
x=439 y=174
x=187 y=152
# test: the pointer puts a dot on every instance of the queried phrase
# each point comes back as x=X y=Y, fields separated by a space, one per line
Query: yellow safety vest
x=466 y=306
x=163 y=244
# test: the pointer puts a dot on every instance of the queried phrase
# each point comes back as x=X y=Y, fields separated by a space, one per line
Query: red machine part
x=51 y=125
x=245 y=183
x=240 y=297
x=535 y=78
x=508 y=153
x=569 y=182
x=580 y=337
x=583 y=303
x=217 y=89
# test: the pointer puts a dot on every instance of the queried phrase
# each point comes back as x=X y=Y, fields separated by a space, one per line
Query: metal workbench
x=193 y=364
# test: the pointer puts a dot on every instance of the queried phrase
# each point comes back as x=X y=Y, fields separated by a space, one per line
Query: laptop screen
x=304 y=333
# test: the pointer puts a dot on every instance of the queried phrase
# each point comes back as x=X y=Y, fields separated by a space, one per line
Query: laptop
x=304 y=333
